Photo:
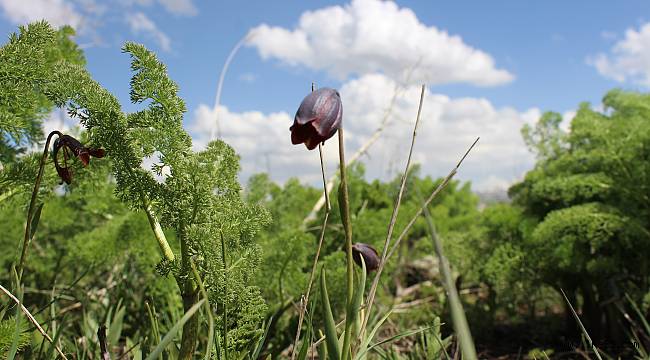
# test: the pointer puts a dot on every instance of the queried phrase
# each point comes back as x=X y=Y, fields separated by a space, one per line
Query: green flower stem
x=305 y=300
x=344 y=206
x=32 y=203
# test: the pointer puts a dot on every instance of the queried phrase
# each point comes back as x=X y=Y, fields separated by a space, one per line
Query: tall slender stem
x=344 y=206
x=304 y=302
x=32 y=203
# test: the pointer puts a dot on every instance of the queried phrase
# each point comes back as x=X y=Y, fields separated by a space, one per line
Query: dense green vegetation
x=136 y=250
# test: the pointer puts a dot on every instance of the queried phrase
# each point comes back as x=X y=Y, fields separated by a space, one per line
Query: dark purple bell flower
x=370 y=256
x=71 y=146
x=317 y=118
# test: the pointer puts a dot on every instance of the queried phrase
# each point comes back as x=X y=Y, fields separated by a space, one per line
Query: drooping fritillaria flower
x=67 y=144
x=317 y=119
x=369 y=254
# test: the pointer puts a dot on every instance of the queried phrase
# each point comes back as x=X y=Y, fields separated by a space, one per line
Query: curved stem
x=30 y=212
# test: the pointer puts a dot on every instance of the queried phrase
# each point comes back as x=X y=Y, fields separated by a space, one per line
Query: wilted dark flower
x=317 y=118
x=70 y=145
x=369 y=254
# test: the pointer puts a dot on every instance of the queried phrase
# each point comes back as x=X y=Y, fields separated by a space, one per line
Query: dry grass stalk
x=33 y=321
x=393 y=219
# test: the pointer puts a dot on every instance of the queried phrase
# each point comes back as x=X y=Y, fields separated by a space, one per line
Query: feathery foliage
x=199 y=199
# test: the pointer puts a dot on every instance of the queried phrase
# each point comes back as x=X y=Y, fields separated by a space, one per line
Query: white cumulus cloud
x=140 y=23
x=448 y=126
x=59 y=120
x=56 y=12
x=629 y=58
x=368 y=36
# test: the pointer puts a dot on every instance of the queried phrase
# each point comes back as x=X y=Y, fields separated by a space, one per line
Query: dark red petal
x=84 y=156
x=98 y=153
x=65 y=174
x=73 y=144
x=302 y=133
x=58 y=145
x=307 y=109
x=328 y=109
x=312 y=142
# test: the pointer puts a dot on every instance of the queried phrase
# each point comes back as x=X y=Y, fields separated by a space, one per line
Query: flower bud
x=317 y=119
x=369 y=254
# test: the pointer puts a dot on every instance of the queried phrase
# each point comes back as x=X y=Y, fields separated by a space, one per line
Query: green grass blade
x=19 y=316
x=638 y=313
x=117 y=322
x=304 y=348
x=153 y=320
x=363 y=349
x=330 y=326
x=638 y=345
x=35 y=220
x=208 y=311
x=397 y=337
x=459 y=320
x=55 y=339
x=14 y=343
x=169 y=337
x=322 y=348
x=582 y=327
x=308 y=337
x=261 y=341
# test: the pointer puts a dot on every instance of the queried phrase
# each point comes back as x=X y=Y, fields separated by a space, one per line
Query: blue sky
x=490 y=68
